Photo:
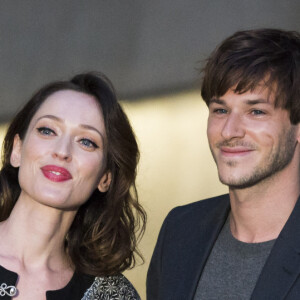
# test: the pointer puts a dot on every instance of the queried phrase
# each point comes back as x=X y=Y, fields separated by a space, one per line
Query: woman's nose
x=233 y=127
x=63 y=150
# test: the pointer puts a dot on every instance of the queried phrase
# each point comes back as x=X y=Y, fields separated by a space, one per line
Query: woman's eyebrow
x=89 y=127
x=84 y=126
x=50 y=117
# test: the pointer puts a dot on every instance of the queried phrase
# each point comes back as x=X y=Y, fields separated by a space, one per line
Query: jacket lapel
x=283 y=264
x=201 y=242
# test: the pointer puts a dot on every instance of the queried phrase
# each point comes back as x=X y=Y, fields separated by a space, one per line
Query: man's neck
x=258 y=213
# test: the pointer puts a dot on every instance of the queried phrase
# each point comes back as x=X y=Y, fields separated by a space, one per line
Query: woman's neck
x=34 y=234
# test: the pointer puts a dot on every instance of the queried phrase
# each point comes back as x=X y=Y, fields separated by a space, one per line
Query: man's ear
x=105 y=181
x=15 y=157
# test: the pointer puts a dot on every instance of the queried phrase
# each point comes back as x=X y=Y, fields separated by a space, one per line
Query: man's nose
x=233 y=127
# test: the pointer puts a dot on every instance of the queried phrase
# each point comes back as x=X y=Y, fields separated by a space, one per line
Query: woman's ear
x=15 y=157
x=105 y=181
x=298 y=132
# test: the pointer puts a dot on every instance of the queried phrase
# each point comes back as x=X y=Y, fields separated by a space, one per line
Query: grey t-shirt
x=232 y=268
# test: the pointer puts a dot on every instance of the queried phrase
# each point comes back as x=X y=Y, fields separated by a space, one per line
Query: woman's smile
x=56 y=173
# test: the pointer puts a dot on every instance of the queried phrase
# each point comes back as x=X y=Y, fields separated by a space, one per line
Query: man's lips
x=235 y=151
x=56 y=173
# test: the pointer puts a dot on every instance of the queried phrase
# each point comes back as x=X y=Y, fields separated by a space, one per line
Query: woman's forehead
x=72 y=106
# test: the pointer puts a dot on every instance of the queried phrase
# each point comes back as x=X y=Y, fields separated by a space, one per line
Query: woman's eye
x=88 y=144
x=45 y=131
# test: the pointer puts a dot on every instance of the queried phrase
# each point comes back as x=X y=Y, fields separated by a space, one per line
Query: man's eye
x=257 y=112
x=220 y=111
x=45 y=131
x=88 y=144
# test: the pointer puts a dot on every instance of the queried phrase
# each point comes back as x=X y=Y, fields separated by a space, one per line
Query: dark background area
x=144 y=47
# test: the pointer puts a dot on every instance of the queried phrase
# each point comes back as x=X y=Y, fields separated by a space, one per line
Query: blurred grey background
x=144 y=47
x=148 y=49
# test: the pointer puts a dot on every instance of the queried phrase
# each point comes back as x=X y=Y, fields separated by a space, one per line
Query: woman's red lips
x=56 y=173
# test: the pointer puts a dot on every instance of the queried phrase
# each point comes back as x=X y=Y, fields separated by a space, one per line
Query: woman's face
x=62 y=157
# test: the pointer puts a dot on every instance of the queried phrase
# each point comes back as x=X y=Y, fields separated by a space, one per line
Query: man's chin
x=238 y=182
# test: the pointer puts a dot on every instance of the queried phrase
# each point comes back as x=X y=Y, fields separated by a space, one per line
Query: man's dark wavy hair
x=103 y=237
x=249 y=58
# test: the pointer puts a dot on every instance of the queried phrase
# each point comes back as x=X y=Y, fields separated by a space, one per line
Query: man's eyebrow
x=248 y=102
x=257 y=101
x=217 y=101
x=84 y=126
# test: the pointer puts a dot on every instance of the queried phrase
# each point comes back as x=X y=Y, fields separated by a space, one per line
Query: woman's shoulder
x=116 y=287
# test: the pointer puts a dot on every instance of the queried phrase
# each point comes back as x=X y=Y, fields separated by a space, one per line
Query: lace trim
x=111 y=288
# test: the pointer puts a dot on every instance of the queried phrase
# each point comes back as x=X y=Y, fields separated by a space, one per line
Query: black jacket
x=185 y=242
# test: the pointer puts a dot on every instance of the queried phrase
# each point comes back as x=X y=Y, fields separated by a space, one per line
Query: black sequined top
x=80 y=287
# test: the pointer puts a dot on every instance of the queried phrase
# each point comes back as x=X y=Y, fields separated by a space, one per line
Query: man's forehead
x=246 y=100
x=251 y=97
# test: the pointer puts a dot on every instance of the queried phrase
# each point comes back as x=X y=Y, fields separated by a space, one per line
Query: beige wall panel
x=176 y=166
x=2 y=132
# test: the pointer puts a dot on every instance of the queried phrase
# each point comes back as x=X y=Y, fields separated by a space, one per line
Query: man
x=244 y=245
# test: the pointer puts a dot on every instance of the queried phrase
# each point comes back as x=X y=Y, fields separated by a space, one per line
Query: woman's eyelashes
x=87 y=143
x=45 y=131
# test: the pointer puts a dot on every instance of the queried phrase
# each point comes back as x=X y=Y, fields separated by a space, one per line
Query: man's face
x=250 y=139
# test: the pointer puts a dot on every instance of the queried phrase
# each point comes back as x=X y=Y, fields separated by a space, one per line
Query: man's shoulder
x=193 y=221
x=200 y=208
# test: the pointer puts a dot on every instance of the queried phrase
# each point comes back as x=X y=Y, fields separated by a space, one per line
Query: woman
x=69 y=209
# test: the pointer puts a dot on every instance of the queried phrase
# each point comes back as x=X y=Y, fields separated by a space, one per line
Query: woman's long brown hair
x=103 y=237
